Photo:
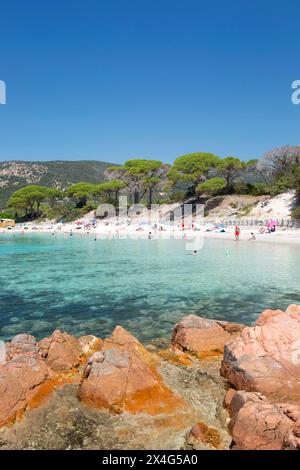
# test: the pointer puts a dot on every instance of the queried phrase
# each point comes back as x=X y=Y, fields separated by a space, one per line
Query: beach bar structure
x=7 y=223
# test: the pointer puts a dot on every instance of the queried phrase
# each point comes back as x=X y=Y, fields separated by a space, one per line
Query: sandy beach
x=107 y=230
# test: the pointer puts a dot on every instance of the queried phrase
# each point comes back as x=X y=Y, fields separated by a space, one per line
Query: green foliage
x=109 y=190
x=229 y=168
x=81 y=192
x=140 y=176
x=296 y=180
x=59 y=174
x=296 y=213
x=260 y=189
x=27 y=201
x=7 y=215
x=211 y=186
x=280 y=185
x=252 y=163
x=193 y=168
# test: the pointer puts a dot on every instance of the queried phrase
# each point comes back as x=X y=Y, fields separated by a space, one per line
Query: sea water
x=87 y=286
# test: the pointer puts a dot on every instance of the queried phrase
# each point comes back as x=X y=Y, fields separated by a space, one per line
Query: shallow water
x=87 y=287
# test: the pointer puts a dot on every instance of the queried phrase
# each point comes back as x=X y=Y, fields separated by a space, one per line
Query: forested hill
x=58 y=174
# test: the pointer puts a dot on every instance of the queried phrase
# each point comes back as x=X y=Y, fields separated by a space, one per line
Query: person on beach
x=237 y=232
x=253 y=237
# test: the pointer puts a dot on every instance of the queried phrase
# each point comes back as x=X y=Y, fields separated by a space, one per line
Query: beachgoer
x=149 y=235
x=194 y=252
x=253 y=237
x=237 y=232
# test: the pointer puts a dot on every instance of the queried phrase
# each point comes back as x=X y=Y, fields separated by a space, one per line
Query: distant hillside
x=59 y=174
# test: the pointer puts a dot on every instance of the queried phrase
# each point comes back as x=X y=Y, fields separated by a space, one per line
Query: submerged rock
x=266 y=358
x=201 y=335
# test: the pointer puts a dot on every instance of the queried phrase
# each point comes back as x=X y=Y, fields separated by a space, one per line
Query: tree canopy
x=229 y=168
x=140 y=176
x=211 y=186
x=27 y=200
x=81 y=192
x=193 y=168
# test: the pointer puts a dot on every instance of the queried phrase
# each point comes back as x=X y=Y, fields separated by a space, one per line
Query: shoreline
x=102 y=232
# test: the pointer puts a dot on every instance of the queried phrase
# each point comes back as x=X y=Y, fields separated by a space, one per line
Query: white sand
x=102 y=230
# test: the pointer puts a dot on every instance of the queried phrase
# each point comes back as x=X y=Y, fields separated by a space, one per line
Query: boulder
x=266 y=358
x=20 y=379
x=257 y=424
x=201 y=335
x=203 y=437
x=21 y=344
x=61 y=351
x=123 y=377
x=90 y=344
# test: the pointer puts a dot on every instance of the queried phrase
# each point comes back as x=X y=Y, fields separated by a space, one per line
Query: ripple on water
x=87 y=288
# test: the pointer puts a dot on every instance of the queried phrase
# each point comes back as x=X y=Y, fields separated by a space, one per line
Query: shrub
x=296 y=213
x=260 y=189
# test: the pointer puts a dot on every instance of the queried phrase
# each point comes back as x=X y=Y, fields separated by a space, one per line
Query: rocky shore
x=216 y=385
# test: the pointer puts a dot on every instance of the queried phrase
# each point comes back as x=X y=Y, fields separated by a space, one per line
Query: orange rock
x=61 y=351
x=20 y=379
x=201 y=335
x=21 y=344
x=202 y=433
x=90 y=344
x=266 y=358
x=228 y=398
x=123 y=377
x=260 y=425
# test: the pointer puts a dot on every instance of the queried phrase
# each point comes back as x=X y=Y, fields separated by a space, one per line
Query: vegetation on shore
x=195 y=175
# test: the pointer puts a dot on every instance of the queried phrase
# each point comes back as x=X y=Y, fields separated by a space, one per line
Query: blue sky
x=117 y=79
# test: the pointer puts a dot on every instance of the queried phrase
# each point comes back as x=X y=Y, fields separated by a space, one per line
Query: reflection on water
x=87 y=287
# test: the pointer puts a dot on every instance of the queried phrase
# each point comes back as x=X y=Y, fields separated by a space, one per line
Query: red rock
x=21 y=344
x=90 y=344
x=61 y=351
x=201 y=335
x=293 y=310
x=228 y=397
x=266 y=358
x=260 y=425
x=122 y=377
x=206 y=436
x=20 y=379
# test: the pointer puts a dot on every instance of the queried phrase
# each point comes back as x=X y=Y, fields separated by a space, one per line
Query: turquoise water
x=87 y=287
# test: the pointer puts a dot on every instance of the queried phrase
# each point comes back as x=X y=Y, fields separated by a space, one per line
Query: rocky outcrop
x=257 y=424
x=90 y=344
x=201 y=335
x=61 y=351
x=21 y=344
x=20 y=379
x=31 y=370
x=203 y=437
x=266 y=358
x=123 y=377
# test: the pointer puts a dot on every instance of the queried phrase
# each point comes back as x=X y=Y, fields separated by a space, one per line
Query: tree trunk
x=150 y=197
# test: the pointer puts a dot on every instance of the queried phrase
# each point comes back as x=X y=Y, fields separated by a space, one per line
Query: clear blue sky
x=118 y=79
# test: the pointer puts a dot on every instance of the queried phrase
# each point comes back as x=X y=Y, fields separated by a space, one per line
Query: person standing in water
x=237 y=232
